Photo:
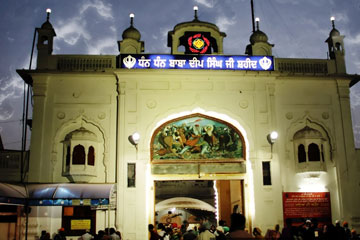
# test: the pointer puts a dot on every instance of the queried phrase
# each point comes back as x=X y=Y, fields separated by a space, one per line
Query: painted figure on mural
x=197 y=137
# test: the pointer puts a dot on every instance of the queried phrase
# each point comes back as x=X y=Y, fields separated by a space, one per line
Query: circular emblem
x=198 y=43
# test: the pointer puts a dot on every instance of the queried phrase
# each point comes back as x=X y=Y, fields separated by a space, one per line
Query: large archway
x=197 y=147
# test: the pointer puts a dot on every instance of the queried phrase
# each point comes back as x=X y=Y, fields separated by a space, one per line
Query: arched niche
x=197 y=138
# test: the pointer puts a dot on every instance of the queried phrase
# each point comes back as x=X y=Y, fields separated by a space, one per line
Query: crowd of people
x=107 y=234
x=309 y=230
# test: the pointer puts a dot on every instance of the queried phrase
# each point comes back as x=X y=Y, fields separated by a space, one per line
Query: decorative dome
x=258 y=36
x=132 y=33
x=81 y=134
x=47 y=25
x=308 y=133
x=334 y=32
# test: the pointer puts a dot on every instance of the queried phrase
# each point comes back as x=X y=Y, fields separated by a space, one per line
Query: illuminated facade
x=85 y=107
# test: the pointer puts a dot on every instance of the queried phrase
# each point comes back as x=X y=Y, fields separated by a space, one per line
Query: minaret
x=46 y=35
x=335 y=42
x=259 y=45
x=131 y=40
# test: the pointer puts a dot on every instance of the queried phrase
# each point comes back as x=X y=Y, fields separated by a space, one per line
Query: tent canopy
x=184 y=202
x=56 y=194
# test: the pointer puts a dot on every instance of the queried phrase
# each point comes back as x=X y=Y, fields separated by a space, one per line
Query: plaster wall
x=256 y=103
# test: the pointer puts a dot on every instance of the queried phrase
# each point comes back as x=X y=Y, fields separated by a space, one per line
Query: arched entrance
x=199 y=157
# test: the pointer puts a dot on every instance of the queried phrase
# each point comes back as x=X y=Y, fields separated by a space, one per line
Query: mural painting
x=197 y=137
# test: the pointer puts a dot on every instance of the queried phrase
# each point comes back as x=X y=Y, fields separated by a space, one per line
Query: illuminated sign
x=209 y=62
x=81 y=224
x=299 y=206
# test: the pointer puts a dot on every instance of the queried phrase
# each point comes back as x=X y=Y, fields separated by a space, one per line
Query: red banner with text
x=300 y=206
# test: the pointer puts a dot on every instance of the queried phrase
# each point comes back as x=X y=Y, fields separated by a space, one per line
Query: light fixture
x=272 y=137
x=195 y=12
x=257 y=20
x=48 y=11
x=332 y=19
x=131 y=18
x=134 y=139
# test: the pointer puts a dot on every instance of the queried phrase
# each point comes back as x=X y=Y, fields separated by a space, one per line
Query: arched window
x=91 y=156
x=78 y=155
x=44 y=40
x=68 y=156
x=338 y=46
x=314 y=152
x=301 y=153
x=322 y=153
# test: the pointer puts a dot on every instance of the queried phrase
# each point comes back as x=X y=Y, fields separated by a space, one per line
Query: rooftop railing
x=85 y=62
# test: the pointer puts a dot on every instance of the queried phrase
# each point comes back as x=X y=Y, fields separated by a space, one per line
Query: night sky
x=298 y=28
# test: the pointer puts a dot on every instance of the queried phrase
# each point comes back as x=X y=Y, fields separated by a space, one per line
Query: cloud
x=102 y=45
x=80 y=28
x=353 y=40
x=224 y=22
x=355 y=96
x=294 y=2
x=102 y=9
x=11 y=88
x=72 y=30
x=341 y=17
x=206 y=3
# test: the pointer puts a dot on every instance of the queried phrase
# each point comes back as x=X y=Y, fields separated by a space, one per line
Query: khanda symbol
x=265 y=63
x=129 y=61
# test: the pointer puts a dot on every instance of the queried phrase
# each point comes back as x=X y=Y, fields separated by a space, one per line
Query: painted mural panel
x=197 y=137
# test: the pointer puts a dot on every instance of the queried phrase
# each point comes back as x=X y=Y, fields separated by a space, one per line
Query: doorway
x=177 y=201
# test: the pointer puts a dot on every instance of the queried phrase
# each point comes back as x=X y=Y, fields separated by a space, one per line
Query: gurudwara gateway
x=137 y=138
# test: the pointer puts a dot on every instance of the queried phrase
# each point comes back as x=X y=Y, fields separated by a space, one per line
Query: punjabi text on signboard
x=218 y=62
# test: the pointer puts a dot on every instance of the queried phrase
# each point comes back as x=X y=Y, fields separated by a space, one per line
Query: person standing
x=60 y=235
x=238 y=227
x=153 y=233
x=87 y=235
x=189 y=234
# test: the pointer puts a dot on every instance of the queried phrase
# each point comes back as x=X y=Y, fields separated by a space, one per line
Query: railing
x=317 y=66
x=85 y=63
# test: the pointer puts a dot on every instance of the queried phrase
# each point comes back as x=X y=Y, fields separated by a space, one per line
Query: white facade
x=112 y=103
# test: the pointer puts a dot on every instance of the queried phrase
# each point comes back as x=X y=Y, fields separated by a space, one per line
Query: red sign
x=300 y=206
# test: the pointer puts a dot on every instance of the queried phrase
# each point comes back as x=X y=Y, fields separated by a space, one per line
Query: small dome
x=308 y=133
x=334 y=32
x=258 y=36
x=47 y=25
x=132 y=33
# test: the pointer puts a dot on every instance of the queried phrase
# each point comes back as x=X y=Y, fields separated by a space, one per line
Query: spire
x=195 y=12
x=131 y=39
x=335 y=43
x=45 y=39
